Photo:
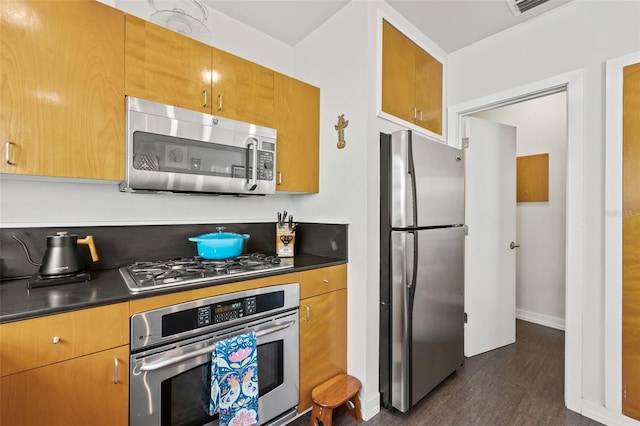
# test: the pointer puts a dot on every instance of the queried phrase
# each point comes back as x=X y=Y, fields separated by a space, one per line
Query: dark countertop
x=107 y=287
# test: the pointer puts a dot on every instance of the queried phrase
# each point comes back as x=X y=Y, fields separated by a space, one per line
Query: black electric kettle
x=62 y=256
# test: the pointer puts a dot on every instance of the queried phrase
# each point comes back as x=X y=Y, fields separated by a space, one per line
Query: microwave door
x=171 y=149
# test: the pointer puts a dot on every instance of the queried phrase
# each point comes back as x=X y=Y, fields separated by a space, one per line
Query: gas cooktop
x=141 y=276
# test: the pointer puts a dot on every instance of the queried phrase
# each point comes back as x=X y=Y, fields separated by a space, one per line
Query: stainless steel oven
x=171 y=355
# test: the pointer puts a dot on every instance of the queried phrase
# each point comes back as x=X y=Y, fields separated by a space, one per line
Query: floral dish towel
x=234 y=381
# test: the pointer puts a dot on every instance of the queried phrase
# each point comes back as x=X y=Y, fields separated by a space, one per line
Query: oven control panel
x=228 y=311
x=218 y=313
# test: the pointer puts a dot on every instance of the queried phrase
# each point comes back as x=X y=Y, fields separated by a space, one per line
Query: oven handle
x=152 y=366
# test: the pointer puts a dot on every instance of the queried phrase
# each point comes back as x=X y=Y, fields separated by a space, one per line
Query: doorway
x=540 y=224
x=572 y=84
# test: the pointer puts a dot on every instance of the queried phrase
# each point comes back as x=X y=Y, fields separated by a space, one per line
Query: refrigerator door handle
x=412 y=266
x=411 y=187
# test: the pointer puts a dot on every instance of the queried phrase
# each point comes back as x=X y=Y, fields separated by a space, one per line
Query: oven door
x=170 y=385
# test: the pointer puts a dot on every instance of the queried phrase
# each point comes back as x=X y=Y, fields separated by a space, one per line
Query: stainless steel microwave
x=171 y=149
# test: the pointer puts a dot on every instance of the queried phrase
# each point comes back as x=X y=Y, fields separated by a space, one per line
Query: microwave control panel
x=265 y=168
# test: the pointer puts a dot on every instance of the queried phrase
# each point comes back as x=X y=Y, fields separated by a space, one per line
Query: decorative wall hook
x=342 y=123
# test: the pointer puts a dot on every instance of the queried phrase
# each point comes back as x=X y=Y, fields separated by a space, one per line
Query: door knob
x=513 y=245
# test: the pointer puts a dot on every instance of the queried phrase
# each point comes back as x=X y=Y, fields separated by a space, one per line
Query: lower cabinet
x=89 y=390
x=323 y=341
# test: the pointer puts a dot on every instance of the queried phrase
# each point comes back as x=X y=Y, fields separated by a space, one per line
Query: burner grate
x=154 y=274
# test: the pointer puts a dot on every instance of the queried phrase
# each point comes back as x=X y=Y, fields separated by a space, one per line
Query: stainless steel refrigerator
x=421 y=266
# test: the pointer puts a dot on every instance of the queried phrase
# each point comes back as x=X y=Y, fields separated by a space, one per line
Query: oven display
x=221 y=309
x=228 y=311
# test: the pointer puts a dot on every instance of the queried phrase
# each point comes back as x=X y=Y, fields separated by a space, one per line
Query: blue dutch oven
x=220 y=245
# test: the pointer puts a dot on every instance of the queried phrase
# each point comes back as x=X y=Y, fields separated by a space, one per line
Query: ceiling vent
x=520 y=6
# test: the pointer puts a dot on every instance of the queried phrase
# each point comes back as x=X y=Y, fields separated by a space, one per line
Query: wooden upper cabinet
x=412 y=81
x=242 y=89
x=62 y=89
x=398 y=73
x=297 y=119
x=428 y=92
x=164 y=66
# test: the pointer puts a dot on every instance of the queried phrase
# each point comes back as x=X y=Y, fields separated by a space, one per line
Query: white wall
x=335 y=58
x=581 y=35
x=540 y=229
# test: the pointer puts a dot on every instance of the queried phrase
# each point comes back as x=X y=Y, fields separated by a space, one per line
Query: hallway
x=519 y=384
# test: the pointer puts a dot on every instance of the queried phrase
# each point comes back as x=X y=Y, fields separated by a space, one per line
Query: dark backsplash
x=122 y=245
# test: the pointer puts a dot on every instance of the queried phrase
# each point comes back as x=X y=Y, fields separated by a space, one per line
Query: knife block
x=285 y=240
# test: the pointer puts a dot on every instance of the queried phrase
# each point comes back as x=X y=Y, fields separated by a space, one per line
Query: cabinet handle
x=308 y=316
x=415 y=113
x=420 y=120
x=279 y=178
x=205 y=100
x=7 y=153
x=55 y=340
x=115 y=371
x=219 y=102
x=325 y=281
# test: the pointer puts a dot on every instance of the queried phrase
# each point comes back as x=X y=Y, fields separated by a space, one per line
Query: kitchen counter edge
x=17 y=303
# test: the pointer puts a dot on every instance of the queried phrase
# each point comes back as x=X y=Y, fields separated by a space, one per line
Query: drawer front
x=41 y=341
x=322 y=280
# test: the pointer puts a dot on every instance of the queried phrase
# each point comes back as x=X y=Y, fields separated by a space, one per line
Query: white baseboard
x=606 y=416
x=370 y=406
x=541 y=319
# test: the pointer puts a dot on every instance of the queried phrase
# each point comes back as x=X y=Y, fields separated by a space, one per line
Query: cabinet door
x=631 y=243
x=297 y=119
x=40 y=341
x=398 y=73
x=243 y=90
x=323 y=341
x=62 y=88
x=428 y=92
x=164 y=66
x=90 y=390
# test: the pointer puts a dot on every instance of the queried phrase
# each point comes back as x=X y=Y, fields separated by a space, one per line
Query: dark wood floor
x=519 y=384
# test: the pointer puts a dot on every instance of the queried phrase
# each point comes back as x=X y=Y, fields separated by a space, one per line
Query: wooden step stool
x=341 y=389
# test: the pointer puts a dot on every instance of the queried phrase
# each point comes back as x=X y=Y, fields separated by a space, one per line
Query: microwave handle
x=152 y=366
x=252 y=154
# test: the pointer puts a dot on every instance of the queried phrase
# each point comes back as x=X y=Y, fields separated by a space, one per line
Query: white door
x=490 y=260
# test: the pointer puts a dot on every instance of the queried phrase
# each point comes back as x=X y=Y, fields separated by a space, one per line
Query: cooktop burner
x=142 y=276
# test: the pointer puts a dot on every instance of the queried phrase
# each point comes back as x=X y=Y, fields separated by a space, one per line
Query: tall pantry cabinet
x=631 y=243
